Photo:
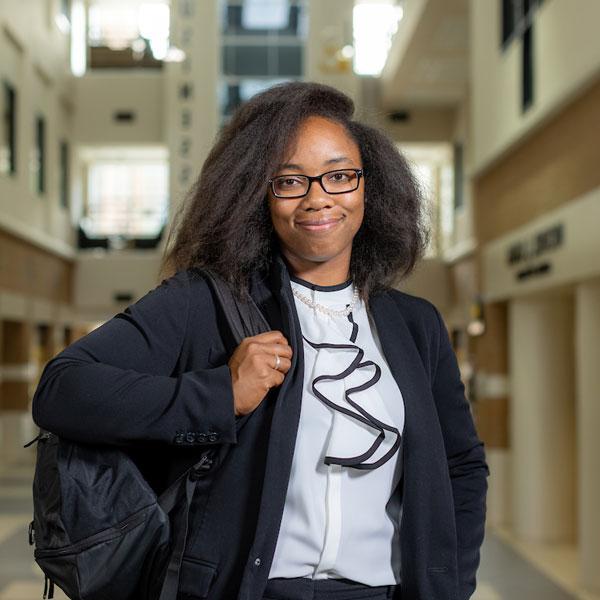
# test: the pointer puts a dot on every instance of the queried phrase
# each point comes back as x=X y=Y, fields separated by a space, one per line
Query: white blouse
x=343 y=508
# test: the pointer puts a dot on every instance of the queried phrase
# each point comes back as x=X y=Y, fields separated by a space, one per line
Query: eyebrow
x=331 y=161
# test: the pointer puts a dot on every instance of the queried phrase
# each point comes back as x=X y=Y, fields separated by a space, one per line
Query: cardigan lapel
x=426 y=487
x=273 y=295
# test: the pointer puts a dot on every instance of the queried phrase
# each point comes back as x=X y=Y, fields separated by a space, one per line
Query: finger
x=284 y=363
x=276 y=379
x=272 y=336
x=279 y=349
x=257 y=345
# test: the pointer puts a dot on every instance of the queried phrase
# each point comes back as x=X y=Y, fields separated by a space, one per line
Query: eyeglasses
x=340 y=181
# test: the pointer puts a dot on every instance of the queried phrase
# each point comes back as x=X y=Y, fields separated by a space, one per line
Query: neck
x=331 y=272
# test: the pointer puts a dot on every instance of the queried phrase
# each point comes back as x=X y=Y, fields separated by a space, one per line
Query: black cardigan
x=155 y=379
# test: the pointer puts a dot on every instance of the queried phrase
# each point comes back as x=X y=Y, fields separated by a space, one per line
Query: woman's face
x=321 y=145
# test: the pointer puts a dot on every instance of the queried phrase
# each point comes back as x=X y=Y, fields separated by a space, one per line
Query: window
x=527 y=69
x=126 y=198
x=256 y=18
x=38 y=156
x=131 y=34
x=508 y=20
x=431 y=164
x=252 y=60
x=8 y=139
x=262 y=44
x=231 y=95
x=63 y=173
x=518 y=22
x=517 y=16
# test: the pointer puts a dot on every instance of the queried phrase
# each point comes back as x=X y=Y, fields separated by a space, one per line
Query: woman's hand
x=252 y=367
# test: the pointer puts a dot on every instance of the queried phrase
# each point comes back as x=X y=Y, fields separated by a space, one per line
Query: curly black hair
x=224 y=224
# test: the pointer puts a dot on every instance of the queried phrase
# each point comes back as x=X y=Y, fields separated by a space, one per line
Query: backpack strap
x=245 y=319
x=184 y=486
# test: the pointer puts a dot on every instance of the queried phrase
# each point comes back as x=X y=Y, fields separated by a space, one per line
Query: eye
x=340 y=176
x=288 y=182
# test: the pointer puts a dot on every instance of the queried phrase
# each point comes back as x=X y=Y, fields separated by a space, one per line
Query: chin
x=316 y=255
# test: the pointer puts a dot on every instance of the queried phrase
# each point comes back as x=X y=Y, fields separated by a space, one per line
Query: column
x=587 y=351
x=542 y=421
x=191 y=94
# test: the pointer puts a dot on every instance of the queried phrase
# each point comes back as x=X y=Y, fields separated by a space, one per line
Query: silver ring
x=277 y=362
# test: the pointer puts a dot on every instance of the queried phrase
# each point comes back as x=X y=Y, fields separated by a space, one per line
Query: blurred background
x=108 y=109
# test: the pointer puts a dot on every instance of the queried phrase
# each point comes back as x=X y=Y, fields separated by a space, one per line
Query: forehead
x=318 y=137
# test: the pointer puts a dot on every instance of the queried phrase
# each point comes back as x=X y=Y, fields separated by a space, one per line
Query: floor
x=510 y=570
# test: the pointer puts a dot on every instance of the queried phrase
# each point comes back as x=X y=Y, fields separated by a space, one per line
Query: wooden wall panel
x=491 y=359
x=15 y=355
x=27 y=269
x=558 y=163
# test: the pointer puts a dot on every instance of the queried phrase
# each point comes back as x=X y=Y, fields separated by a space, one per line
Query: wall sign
x=529 y=251
x=558 y=248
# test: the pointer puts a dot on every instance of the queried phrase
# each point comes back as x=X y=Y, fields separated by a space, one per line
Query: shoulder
x=177 y=292
x=416 y=310
x=190 y=284
x=185 y=300
x=423 y=319
x=186 y=280
x=425 y=324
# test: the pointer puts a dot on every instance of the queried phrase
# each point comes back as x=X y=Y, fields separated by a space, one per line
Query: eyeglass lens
x=334 y=182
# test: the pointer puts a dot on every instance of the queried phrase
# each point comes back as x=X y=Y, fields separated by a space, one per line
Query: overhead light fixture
x=78 y=38
x=63 y=23
x=174 y=54
x=476 y=324
x=374 y=25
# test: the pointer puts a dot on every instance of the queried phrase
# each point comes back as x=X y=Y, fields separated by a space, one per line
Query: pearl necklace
x=325 y=309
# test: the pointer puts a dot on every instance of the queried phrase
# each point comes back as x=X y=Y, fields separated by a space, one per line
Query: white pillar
x=499 y=496
x=542 y=420
x=587 y=347
x=191 y=94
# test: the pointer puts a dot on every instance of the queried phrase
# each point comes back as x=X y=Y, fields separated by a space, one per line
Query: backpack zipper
x=42 y=436
x=112 y=533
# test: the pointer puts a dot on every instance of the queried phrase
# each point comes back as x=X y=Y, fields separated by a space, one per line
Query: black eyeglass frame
x=359 y=173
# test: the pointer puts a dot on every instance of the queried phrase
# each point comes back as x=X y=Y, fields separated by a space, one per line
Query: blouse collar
x=321 y=288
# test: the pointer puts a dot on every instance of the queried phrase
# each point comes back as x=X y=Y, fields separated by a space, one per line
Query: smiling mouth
x=325 y=225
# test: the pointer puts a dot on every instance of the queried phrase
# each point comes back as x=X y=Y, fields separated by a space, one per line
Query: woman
x=346 y=462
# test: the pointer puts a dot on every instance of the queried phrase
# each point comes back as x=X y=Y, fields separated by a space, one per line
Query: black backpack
x=100 y=531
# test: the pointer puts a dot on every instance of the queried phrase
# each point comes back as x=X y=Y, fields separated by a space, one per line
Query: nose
x=316 y=198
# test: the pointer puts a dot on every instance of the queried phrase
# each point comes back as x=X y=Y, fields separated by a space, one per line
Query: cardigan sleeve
x=116 y=385
x=466 y=461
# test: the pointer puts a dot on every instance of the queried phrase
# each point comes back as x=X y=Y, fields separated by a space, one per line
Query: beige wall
x=555 y=165
x=35 y=62
x=567 y=58
x=425 y=124
x=98 y=278
x=100 y=95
